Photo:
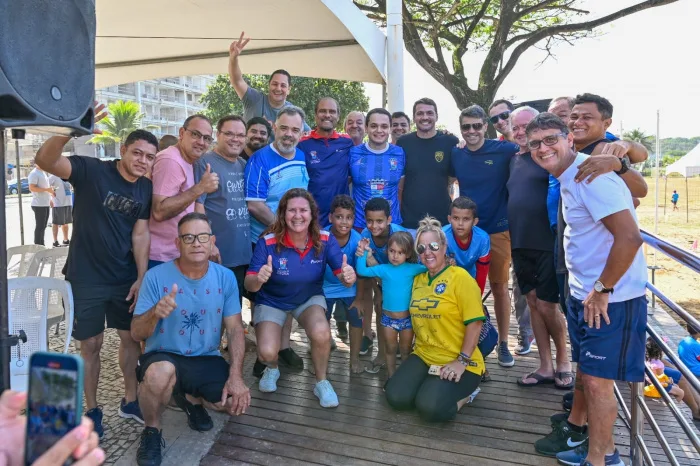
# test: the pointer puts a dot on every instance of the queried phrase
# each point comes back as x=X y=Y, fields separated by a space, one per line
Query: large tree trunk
x=482 y=97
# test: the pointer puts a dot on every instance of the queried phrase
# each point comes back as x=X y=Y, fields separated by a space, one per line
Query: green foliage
x=637 y=135
x=124 y=117
x=220 y=99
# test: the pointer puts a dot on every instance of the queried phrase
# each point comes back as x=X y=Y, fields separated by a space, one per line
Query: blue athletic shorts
x=674 y=374
x=342 y=308
x=614 y=351
x=397 y=324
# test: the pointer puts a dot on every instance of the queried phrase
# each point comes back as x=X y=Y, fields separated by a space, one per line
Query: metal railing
x=634 y=417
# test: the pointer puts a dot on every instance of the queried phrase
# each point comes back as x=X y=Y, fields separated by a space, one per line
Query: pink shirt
x=172 y=175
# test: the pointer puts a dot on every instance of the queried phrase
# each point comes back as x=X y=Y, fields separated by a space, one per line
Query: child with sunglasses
x=397 y=276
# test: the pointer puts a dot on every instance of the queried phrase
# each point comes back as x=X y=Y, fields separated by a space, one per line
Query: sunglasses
x=476 y=126
x=502 y=116
x=434 y=246
x=548 y=141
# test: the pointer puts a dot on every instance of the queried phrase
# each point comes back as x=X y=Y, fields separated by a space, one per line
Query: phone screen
x=52 y=405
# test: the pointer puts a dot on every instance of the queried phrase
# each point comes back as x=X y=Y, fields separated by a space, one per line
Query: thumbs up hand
x=265 y=271
x=167 y=304
x=347 y=273
x=209 y=181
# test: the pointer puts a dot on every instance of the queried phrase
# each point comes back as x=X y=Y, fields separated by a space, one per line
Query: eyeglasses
x=434 y=246
x=231 y=134
x=501 y=116
x=203 y=238
x=547 y=140
x=197 y=135
x=476 y=126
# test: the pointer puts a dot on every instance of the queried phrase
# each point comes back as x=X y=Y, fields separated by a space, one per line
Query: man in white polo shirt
x=607 y=277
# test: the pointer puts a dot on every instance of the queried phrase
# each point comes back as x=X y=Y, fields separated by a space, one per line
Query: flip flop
x=540 y=380
x=374 y=368
x=564 y=375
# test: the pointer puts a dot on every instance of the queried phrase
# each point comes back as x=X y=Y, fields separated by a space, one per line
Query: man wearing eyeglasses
x=174 y=188
x=482 y=168
x=226 y=207
x=499 y=116
x=532 y=251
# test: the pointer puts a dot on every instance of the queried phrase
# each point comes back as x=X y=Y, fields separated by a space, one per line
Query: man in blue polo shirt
x=271 y=172
x=482 y=169
x=377 y=167
x=326 y=153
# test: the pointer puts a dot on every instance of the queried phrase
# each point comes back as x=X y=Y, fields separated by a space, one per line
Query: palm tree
x=124 y=117
x=637 y=135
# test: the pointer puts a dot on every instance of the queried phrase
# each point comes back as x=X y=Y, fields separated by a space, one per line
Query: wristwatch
x=600 y=288
x=625 y=162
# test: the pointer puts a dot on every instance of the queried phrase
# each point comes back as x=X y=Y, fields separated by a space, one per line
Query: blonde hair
x=430 y=224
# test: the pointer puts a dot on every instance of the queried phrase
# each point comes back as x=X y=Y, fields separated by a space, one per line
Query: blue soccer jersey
x=478 y=249
x=268 y=176
x=327 y=164
x=296 y=275
x=376 y=174
x=380 y=253
x=482 y=176
x=332 y=288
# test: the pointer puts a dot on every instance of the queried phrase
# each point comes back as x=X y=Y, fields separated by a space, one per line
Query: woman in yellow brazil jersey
x=446 y=314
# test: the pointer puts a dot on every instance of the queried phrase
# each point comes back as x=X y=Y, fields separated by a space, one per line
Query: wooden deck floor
x=289 y=427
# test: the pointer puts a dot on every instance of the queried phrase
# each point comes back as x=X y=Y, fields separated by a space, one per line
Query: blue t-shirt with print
x=397 y=282
x=194 y=328
x=479 y=247
x=380 y=253
x=376 y=174
x=268 y=176
x=296 y=275
x=332 y=288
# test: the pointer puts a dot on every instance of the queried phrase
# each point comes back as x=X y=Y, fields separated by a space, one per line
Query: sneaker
x=555 y=419
x=573 y=457
x=268 y=382
x=505 y=359
x=66 y=242
x=95 y=414
x=258 y=368
x=326 y=395
x=149 y=451
x=367 y=346
x=288 y=357
x=562 y=438
x=130 y=410
x=55 y=244
x=524 y=345
x=342 y=330
x=567 y=401
x=197 y=417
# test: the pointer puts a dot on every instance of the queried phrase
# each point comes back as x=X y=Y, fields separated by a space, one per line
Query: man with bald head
x=355 y=127
x=532 y=252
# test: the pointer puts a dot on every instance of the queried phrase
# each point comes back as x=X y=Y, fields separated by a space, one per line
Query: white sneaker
x=326 y=395
x=268 y=381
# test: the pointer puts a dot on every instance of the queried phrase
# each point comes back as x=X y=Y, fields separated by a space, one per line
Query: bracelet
x=464 y=359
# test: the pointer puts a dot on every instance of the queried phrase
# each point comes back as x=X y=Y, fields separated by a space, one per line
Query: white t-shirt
x=39 y=178
x=63 y=196
x=587 y=242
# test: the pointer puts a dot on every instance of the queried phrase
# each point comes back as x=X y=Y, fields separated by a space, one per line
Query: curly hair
x=404 y=241
x=279 y=226
x=654 y=351
x=431 y=224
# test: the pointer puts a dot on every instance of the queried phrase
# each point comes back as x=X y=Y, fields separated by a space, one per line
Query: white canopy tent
x=688 y=165
x=138 y=40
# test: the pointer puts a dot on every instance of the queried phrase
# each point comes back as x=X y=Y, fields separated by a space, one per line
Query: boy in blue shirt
x=379 y=229
x=338 y=296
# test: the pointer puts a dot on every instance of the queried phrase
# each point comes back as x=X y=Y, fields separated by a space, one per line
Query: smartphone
x=54 y=401
x=434 y=370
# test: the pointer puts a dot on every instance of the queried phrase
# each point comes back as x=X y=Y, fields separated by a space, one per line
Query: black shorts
x=93 y=305
x=240 y=271
x=535 y=271
x=199 y=376
x=62 y=215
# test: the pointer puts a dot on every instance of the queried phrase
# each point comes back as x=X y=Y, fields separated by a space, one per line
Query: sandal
x=563 y=375
x=374 y=368
x=540 y=380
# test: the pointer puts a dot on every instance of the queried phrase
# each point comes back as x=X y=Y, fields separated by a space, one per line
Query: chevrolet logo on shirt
x=488 y=162
x=424 y=304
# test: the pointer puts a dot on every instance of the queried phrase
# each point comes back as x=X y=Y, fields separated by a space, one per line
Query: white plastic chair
x=29 y=311
x=49 y=263
x=18 y=268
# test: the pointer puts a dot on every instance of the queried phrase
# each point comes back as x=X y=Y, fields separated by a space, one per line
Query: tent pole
x=665 y=193
x=18 y=134
x=394 y=54
x=4 y=311
x=687 y=201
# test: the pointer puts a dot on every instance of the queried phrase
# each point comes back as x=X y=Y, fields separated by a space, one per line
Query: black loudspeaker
x=47 y=64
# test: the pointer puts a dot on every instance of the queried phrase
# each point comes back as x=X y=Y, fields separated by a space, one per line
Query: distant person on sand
x=674 y=199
